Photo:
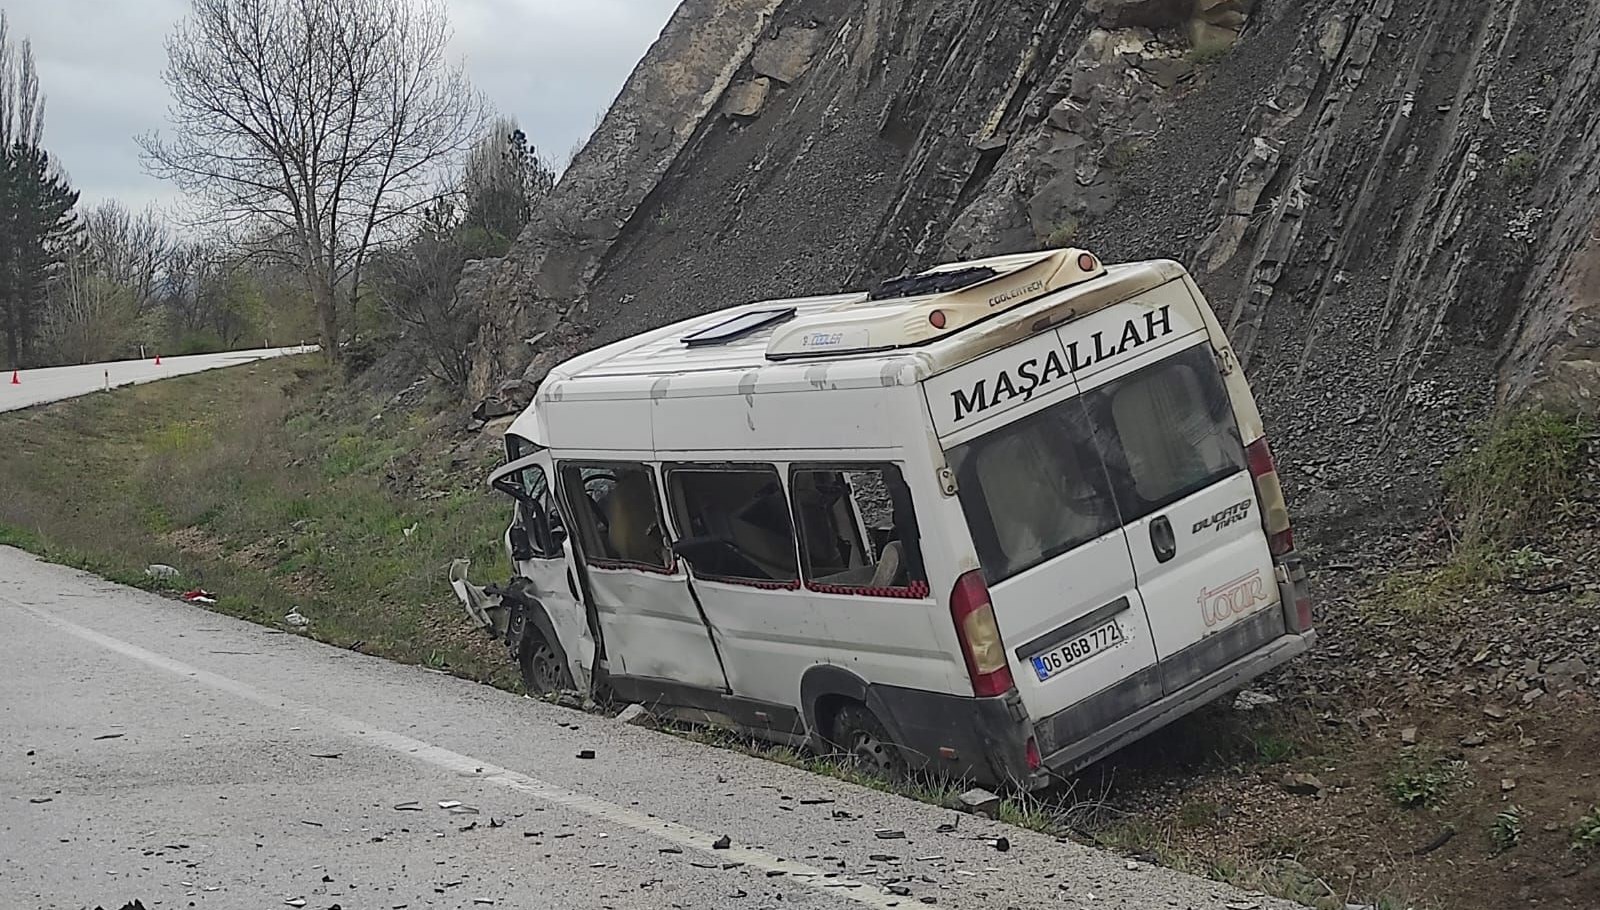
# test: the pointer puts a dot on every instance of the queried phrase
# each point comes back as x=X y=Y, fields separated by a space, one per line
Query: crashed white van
x=994 y=520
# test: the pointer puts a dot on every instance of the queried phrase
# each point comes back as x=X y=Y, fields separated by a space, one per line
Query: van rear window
x=1057 y=479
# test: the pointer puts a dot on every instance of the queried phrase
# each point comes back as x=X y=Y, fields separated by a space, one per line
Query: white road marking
x=467 y=766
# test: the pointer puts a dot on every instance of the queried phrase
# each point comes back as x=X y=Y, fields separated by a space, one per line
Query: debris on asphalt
x=110 y=736
x=670 y=850
x=1002 y=844
x=722 y=843
x=637 y=715
x=898 y=890
x=884 y=858
x=463 y=810
x=326 y=754
x=1250 y=699
x=412 y=806
x=815 y=801
x=199 y=596
x=296 y=619
x=981 y=802
x=158 y=570
x=450 y=804
x=889 y=834
x=496 y=823
x=296 y=902
x=586 y=753
x=40 y=799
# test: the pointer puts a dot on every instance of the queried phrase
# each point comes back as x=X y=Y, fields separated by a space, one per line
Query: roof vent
x=736 y=327
x=931 y=283
x=925 y=307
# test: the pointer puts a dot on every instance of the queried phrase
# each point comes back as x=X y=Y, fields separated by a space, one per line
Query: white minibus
x=993 y=520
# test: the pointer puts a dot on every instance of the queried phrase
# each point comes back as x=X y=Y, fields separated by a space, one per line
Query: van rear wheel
x=866 y=745
x=543 y=670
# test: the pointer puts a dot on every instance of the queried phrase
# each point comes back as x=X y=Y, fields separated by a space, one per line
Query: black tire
x=544 y=669
x=865 y=743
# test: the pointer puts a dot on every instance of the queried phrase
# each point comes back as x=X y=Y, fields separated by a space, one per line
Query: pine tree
x=37 y=225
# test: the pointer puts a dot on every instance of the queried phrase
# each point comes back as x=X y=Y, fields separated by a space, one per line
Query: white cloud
x=554 y=65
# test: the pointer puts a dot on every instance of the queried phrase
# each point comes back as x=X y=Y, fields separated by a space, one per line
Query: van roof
x=651 y=363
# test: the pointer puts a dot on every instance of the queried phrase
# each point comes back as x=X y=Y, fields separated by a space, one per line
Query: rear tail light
x=1034 y=761
x=1274 y=510
x=980 y=636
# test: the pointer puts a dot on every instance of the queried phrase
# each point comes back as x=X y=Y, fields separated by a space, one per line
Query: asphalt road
x=154 y=750
x=58 y=383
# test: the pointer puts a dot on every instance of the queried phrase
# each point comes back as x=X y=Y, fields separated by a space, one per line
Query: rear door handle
x=1162 y=540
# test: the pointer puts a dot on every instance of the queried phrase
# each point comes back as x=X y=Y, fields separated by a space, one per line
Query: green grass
x=1506 y=830
x=1586 y=833
x=1417 y=784
x=1520 y=168
x=1520 y=475
x=1515 y=477
x=272 y=488
x=1064 y=235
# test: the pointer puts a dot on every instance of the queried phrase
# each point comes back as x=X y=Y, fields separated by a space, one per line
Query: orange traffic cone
x=15 y=379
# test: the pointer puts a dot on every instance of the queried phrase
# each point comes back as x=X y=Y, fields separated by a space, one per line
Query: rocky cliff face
x=1393 y=204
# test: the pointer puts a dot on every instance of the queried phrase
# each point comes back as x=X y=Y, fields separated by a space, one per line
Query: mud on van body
x=996 y=520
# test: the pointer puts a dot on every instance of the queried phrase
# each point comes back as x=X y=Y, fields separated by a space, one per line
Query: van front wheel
x=859 y=734
x=543 y=670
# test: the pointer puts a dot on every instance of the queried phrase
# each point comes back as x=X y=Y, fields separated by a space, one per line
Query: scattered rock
x=981 y=802
x=586 y=753
x=1472 y=740
x=889 y=834
x=722 y=843
x=637 y=715
x=1250 y=699
x=1408 y=736
x=1495 y=712
x=1302 y=784
x=1003 y=844
x=1507 y=784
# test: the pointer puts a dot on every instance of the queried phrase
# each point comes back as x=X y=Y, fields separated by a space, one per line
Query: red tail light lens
x=1034 y=761
x=985 y=653
x=1274 y=509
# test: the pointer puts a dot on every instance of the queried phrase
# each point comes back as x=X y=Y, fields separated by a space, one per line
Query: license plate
x=1075 y=651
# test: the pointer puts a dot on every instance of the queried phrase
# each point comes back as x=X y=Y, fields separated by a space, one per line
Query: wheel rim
x=546 y=669
x=871 y=754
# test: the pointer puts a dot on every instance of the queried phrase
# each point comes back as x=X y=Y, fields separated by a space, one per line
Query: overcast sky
x=553 y=64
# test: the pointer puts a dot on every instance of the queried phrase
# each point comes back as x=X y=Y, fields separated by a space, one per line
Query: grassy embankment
x=275 y=490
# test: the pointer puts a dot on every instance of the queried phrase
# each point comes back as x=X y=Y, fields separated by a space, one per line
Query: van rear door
x=1168 y=438
x=1044 y=521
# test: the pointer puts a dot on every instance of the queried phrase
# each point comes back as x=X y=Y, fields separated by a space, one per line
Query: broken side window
x=858 y=531
x=735 y=523
x=616 y=510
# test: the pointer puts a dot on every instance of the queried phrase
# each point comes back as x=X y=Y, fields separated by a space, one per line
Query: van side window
x=734 y=521
x=617 y=512
x=1166 y=432
x=858 y=531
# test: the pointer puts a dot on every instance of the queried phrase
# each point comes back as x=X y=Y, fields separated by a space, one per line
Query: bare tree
x=21 y=104
x=330 y=120
x=127 y=249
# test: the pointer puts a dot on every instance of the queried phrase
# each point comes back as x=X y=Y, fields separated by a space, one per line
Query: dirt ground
x=1394 y=754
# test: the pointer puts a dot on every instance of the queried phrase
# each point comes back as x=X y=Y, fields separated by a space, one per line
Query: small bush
x=1520 y=167
x=1515 y=476
x=1586 y=833
x=1065 y=234
x=1505 y=831
x=1423 y=785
